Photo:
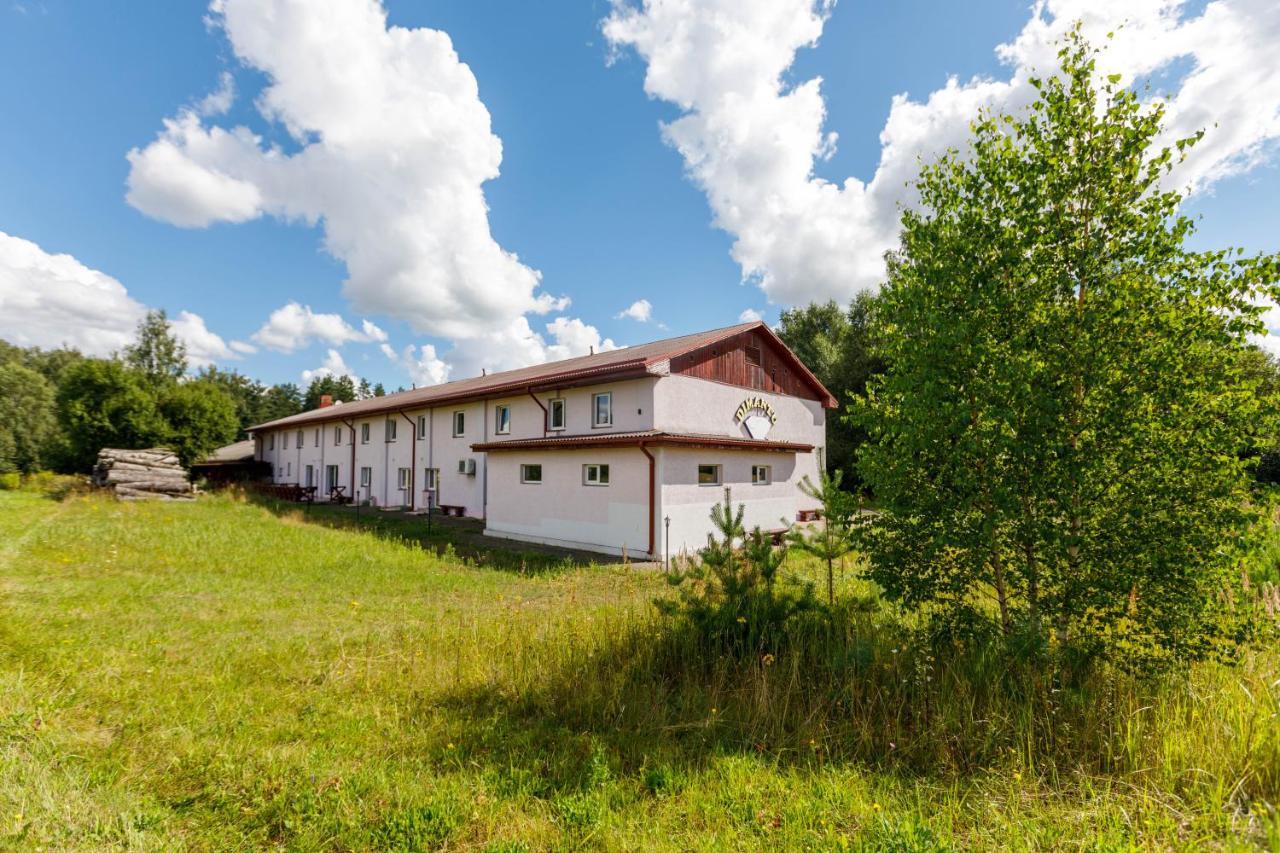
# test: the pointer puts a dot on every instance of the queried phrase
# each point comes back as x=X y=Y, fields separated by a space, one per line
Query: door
x=331 y=478
x=311 y=476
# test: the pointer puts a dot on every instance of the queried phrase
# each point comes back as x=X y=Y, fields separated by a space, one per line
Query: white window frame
x=364 y=433
x=403 y=478
x=366 y=477
x=524 y=473
x=389 y=431
x=317 y=438
x=288 y=469
x=284 y=440
x=331 y=475
x=498 y=412
x=459 y=431
x=337 y=436
x=595 y=474
x=596 y=423
x=719 y=469
x=553 y=406
x=302 y=439
x=429 y=479
x=422 y=426
x=271 y=441
x=756 y=479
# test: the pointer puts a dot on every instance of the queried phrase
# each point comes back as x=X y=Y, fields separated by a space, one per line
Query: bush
x=732 y=597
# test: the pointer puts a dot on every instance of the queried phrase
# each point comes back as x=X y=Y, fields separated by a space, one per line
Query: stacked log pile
x=154 y=474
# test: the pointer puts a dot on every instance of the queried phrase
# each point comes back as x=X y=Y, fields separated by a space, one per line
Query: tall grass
x=214 y=676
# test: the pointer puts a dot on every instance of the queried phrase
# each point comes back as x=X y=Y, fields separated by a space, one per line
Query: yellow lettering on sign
x=756 y=404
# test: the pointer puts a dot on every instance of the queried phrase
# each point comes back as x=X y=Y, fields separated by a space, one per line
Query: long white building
x=596 y=452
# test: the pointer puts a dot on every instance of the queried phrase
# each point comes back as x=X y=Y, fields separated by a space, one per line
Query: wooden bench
x=776 y=536
x=809 y=515
x=452 y=509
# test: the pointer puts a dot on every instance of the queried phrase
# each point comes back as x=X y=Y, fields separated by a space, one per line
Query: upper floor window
x=502 y=420
x=315 y=441
x=284 y=441
x=271 y=441
x=364 y=433
x=555 y=414
x=422 y=426
x=301 y=439
x=391 y=429
x=602 y=409
x=337 y=436
x=459 y=424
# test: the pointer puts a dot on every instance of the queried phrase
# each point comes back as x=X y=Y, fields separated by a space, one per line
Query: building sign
x=757 y=415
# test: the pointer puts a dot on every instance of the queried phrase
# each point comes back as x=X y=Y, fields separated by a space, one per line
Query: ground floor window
x=761 y=475
x=531 y=473
x=331 y=477
x=288 y=469
x=311 y=476
x=595 y=475
x=708 y=475
x=404 y=479
x=366 y=477
x=429 y=478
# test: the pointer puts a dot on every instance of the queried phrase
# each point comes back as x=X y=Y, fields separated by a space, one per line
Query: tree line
x=59 y=407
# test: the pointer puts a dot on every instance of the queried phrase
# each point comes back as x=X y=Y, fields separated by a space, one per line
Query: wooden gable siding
x=750 y=360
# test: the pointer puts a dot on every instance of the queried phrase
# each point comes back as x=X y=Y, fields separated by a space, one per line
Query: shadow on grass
x=460 y=538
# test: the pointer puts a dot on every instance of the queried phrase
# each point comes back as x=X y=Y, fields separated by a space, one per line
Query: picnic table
x=307 y=494
x=337 y=495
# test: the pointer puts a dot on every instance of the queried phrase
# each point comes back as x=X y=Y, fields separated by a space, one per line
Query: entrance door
x=330 y=478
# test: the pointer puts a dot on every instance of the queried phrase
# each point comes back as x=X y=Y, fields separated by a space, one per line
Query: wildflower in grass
x=767 y=660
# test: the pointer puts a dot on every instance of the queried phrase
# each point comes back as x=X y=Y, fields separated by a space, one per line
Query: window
x=311 y=476
x=555 y=415
x=459 y=424
x=422 y=426
x=755 y=367
x=502 y=420
x=366 y=477
x=531 y=473
x=364 y=433
x=337 y=436
x=708 y=475
x=429 y=479
x=602 y=410
x=301 y=440
x=403 y=479
x=284 y=441
x=316 y=439
x=331 y=477
x=271 y=441
x=761 y=475
x=390 y=430
x=595 y=475
x=288 y=469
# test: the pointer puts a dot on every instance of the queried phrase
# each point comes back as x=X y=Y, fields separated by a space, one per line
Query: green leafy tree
x=838 y=345
x=199 y=417
x=837 y=533
x=1061 y=423
x=102 y=403
x=280 y=401
x=247 y=394
x=28 y=424
x=340 y=388
x=156 y=352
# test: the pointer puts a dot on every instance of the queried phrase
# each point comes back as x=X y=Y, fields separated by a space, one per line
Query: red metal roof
x=626 y=363
x=651 y=437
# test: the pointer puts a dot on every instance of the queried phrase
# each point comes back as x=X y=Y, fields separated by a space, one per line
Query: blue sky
x=590 y=193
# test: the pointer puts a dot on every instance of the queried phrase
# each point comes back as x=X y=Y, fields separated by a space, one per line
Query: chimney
x=326 y=400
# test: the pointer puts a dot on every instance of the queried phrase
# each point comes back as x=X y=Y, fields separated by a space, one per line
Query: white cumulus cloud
x=640 y=311
x=393 y=145
x=422 y=364
x=749 y=315
x=750 y=138
x=53 y=300
x=333 y=365
x=293 y=326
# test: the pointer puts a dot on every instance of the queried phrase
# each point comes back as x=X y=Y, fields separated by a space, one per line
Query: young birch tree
x=1059 y=430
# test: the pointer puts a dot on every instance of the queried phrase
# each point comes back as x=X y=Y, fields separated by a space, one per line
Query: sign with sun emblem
x=757 y=415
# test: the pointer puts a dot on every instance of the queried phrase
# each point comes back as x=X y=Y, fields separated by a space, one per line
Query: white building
x=593 y=452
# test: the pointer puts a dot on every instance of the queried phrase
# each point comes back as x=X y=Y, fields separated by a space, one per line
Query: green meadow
x=219 y=676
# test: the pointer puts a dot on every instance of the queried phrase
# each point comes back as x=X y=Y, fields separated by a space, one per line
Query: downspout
x=413 y=460
x=484 y=475
x=545 y=415
x=652 y=478
x=351 y=425
x=431 y=453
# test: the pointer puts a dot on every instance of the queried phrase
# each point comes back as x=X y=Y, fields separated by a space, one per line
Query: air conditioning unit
x=467 y=466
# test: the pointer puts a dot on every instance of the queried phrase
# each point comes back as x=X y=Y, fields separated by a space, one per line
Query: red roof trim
x=634 y=439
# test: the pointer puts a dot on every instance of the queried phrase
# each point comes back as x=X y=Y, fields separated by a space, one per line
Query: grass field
x=218 y=676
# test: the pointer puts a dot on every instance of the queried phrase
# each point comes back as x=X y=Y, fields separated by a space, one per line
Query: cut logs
x=154 y=474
